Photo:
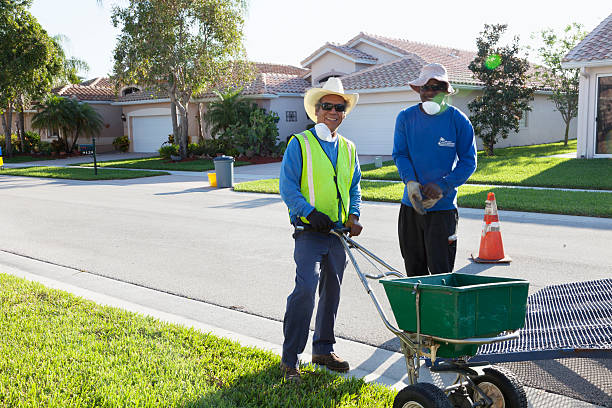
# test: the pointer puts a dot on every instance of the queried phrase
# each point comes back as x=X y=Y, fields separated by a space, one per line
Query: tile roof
x=596 y=46
x=456 y=61
x=343 y=49
x=269 y=79
x=87 y=92
x=279 y=69
x=399 y=73
x=389 y=75
x=99 y=82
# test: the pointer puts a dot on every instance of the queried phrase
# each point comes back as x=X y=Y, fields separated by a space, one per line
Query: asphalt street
x=177 y=235
x=231 y=249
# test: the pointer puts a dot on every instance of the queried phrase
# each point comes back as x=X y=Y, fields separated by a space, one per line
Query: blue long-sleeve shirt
x=291 y=180
x=439 y=148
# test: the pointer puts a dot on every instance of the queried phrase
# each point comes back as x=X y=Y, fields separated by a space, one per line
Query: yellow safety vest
x=324 y=187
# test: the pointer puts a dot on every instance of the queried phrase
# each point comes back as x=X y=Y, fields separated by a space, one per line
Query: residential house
x=380 y=68
x=100 y=94
x=277 y=88
x=593 y=56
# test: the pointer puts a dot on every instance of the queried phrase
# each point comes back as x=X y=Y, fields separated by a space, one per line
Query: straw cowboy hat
x=333 y=86
x=431 y=71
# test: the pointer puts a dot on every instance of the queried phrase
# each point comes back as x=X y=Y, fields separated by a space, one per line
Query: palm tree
x=86 y=120
x=230 y=109
x=69 y=116
x=54 y=113
x=70 y=66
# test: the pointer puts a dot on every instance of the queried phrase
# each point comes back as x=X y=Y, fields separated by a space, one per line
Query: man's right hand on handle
x=414 y=195
x=319 y=221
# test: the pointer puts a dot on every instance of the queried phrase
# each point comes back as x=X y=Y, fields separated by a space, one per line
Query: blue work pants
x=320 y=260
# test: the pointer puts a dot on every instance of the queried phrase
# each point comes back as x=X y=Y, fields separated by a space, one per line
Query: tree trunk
x=7 y=119
x=567 y=125
x=183 y=130
x=489 y=148
x=200 y=123
x=175 y=129
x=21 y=122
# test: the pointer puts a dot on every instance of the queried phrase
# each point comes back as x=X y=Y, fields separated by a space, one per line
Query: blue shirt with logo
x=435 y=148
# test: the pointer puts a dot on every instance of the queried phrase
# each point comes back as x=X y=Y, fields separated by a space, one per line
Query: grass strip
x=79 y=173
x=526 y=166
x=61 y=350
x=26 y=158
x=158 y=163
x=592 y=204
x=553 y=172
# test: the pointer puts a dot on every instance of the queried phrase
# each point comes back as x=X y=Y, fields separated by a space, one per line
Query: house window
x=524 y=122
x=291 y=116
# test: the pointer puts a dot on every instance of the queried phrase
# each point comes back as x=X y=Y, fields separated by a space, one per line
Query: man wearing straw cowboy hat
x=435 y=152
x=319 y=183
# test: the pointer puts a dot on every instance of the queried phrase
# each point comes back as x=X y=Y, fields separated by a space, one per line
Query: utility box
x=224 y=169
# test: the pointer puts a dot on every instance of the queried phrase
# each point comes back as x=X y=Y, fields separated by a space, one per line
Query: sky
x=288 y=31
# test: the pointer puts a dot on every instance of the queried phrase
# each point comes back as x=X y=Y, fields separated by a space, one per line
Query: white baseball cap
x=431 y=71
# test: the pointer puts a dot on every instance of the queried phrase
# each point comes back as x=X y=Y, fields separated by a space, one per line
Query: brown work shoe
x=331 y=361
x=290 y=373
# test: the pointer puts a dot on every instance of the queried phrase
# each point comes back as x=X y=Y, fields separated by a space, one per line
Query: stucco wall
x=544 y=123
x=111 y=122
x=281 y=106
x=382 y=56
x=330 y=63
x=587 y=109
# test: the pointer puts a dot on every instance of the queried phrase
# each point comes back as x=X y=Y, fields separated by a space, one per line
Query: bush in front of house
x=167 y=150
x=242 y=128
x=45 y=148
x=121 y=143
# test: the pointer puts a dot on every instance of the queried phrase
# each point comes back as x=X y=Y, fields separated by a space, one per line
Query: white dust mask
x=431 y=107
x=324 y=133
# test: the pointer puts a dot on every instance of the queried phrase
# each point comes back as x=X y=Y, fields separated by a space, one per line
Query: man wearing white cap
x=435 y=152
x=319 y=183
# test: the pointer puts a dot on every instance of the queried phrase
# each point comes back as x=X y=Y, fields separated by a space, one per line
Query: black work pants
x=428 y=242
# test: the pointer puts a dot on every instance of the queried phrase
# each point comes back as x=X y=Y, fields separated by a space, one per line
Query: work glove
x=414 y=195
x=432 y=193
x=320 y=222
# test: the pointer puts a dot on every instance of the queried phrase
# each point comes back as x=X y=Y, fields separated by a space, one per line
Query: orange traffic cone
x=491 y=247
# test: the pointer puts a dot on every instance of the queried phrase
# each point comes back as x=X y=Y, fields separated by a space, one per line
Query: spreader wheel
x=421 y=395
x=502 y=386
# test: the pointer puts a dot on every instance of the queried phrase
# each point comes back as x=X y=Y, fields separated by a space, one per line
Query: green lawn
x=59 y=350
x=525 y=166
x=25 y=159
x=593 y=204
x=79 y=173
x=157 y=163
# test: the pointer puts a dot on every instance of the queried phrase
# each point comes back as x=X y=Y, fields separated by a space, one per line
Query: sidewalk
x=370 y=363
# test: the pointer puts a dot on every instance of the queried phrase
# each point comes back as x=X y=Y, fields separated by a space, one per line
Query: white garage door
x=371 y=127
x=150 y=132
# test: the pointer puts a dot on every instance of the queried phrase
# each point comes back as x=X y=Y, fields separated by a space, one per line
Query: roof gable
x=595 y=47
x=343 y=51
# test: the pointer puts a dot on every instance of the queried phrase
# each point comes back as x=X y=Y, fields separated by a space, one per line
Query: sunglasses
x=326 y=106
x=437 y=87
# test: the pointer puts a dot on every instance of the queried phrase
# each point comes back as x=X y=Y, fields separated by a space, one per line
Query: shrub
x=16 y=146
x=168 y=149
x=195 y=149
x=121 y=143
x=31 y=142
x=45 y=148
x=58 y=145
